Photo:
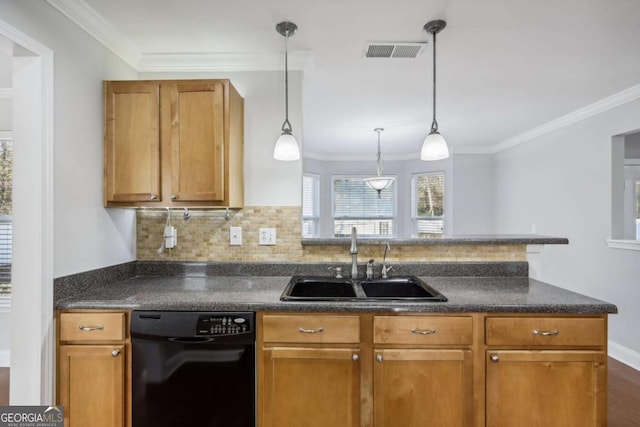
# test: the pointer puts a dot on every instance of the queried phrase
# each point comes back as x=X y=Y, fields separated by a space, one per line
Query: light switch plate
x=235 y=236
x=267 y=237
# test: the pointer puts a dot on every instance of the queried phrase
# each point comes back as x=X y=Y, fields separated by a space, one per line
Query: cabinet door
x=423 y=388
x=91 y=385
x=197 y=141
x=546 y=389
x=132 y=142
x=310 y=387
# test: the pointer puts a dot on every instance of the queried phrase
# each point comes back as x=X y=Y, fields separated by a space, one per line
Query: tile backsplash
x=205 y=237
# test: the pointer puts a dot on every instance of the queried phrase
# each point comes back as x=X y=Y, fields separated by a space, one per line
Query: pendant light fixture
x=434 y=146
x=379 y=182
x=286 y=147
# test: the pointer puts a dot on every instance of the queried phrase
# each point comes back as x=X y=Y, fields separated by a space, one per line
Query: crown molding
x=598 y=107
x=194 y=62
x=472 y=149
x=93 y=23
x=6 y=93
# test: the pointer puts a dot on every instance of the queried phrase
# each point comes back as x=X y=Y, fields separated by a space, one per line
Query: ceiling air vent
x=393 y=50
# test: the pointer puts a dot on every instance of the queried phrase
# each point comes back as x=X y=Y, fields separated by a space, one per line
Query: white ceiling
x=504 y=66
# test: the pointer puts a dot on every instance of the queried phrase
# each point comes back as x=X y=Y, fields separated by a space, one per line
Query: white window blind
x=310 y=205
x=357 y=205
x=427 y=203
x=6 y=225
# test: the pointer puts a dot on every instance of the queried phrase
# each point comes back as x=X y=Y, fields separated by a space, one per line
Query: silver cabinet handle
x=423 y=332
x=310 y=331
x=115 y=352
x=355 y=357
x=174 y=197
x=379 y=357
x=546 y=333
x=91 y=328
x=495 y=358
x=153 y=197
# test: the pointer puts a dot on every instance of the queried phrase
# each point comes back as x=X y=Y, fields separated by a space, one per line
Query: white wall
x=267 y=182
x=562 y=183
x=87 y=236
x=472 y=192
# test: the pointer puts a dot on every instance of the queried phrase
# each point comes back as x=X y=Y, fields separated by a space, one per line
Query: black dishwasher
x=193 y=369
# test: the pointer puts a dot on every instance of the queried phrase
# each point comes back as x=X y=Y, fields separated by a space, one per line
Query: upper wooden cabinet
x=173 y=143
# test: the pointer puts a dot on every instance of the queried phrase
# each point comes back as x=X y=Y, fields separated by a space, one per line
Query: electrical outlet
x=235 y=236
x=170 y=237
x=267 y=237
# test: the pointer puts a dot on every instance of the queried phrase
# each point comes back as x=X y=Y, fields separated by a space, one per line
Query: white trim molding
x=606 y=104
x=631 y=245
x=5 y=358
x=195 y=62
x=625 y=355
x=93 y=23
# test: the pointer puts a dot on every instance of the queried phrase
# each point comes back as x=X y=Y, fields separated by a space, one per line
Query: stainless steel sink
x=313 y=288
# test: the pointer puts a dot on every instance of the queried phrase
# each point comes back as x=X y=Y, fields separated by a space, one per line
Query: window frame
x=393 y=218
x=415 y=218
x=316 y=204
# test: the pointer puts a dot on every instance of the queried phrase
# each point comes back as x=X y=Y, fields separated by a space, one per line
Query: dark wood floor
x=624 y=394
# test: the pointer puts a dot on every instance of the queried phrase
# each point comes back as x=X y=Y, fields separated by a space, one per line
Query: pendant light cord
x=286 y=126
x=380 y=162
x=434 y=123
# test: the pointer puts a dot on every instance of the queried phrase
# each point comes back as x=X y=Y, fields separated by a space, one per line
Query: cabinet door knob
x=115 y=352
x=174 y=197
x=495 y=358
x=153 y=197
x=379 y=358
x=355 y=357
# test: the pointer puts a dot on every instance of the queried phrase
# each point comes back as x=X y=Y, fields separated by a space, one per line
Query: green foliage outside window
x=430 y=194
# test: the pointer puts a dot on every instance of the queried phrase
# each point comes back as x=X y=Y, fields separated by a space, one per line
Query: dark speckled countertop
x=262 y=293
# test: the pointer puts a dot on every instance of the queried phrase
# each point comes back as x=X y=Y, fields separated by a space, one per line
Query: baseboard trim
x=625 y=355
x=5 y=359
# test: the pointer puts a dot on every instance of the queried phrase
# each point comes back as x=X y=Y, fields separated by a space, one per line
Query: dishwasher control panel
x=223 y=324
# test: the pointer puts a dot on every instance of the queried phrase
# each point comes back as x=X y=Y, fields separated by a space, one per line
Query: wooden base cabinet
x=546 y=388
x=309 y=370
x=93 y=368
x=316 y=387
x=91 y=383
x=423 y=388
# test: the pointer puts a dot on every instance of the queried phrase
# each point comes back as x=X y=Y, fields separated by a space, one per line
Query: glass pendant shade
x=286 y=148
x=434 y=147
x=379 y=183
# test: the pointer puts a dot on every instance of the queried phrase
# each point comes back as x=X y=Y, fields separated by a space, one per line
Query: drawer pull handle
x=355 y=357
x=495 y=358
x=546 y=333
x=310 y=331
x=91 y=328
x=423 y=332
x=379 y=358
x=115 y=352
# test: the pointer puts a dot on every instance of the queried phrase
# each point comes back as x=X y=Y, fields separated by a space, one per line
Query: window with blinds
x=6 y=225
x=357 y=205
x=310 y=205
x=427 y=203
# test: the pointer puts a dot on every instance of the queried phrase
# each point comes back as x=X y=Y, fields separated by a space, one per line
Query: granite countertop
x=262 y=293
x=472 y=239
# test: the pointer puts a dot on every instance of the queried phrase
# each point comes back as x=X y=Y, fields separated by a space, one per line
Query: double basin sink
x=405 y=288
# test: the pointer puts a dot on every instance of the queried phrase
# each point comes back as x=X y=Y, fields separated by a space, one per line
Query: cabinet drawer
x=92 y=326
x=545 y=331
x=311 y=329
x=422 y=330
